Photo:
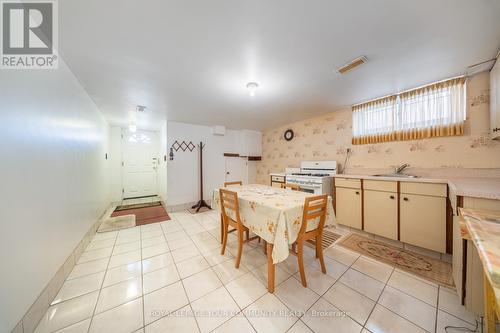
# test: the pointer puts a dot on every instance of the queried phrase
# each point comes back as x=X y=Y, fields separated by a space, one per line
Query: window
x=430 y=111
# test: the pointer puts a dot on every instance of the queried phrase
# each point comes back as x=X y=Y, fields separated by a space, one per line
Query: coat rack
x=202 y=202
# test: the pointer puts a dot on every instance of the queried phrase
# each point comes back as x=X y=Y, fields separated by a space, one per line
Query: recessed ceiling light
x=252 y=88
x=351 y=65
x=132 y=128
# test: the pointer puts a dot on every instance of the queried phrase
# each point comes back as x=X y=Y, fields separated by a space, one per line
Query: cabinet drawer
x=279 y=179
x=348 y=182
x=435 y=190
x=480 y=203
x=379 y=185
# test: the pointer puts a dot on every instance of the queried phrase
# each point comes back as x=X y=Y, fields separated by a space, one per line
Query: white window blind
x=435 y=110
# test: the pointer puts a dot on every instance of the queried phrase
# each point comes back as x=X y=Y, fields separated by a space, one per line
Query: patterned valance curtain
x=431 y=111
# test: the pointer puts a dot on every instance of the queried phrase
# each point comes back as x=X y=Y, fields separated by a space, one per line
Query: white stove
x=314 y=177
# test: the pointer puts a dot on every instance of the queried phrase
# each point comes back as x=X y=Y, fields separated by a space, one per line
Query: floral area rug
x=431 y=269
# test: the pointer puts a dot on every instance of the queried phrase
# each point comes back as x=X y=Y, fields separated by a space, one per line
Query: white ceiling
x=190 y=60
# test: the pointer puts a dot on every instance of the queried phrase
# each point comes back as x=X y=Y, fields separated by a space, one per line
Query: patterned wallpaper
x=328 y=137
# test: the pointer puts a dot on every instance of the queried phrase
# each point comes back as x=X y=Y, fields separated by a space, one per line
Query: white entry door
x=140 y=163
x=236 y=169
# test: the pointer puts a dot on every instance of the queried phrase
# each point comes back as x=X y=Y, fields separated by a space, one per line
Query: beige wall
x=327 y=138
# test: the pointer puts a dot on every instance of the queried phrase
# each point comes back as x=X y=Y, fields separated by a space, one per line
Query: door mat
x=145 y=215
x=117 y=223
x=329 y=237
x=140 y=205
x=431 y=269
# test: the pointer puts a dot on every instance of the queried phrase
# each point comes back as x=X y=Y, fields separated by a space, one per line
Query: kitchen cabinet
x=277 y=180
x=381 y=208
x=423 y=215
x=348 y=206
x=412 y=212
x=495 y=101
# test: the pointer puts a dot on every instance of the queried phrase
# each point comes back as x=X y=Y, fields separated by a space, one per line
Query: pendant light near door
x=252 y=88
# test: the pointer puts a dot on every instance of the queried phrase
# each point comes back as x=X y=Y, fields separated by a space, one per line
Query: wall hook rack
x=184 y=146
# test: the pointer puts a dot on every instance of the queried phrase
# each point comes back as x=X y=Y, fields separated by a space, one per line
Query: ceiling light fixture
x=132 y=128
x=252 y=88
x=140 y=108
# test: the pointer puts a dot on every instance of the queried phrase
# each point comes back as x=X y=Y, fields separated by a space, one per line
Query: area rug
x=431 y=269
x=117 y=223
x=329 y=237
x=145 y=215
x=139 y=205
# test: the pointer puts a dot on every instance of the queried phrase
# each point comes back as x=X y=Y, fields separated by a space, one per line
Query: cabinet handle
x=392 y=197
x=406 y=199
x=357 y=192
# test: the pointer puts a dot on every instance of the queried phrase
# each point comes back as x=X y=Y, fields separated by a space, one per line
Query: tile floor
x=170 y=277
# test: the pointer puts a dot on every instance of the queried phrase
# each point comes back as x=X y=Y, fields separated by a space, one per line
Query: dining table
x=275 y=215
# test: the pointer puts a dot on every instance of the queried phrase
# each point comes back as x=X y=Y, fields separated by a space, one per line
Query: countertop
x=483 y=228
x=486 y=188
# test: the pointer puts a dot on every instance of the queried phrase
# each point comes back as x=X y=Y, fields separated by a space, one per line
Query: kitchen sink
x=396 y=175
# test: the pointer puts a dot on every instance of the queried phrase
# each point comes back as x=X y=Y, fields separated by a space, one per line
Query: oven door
x=314 y=189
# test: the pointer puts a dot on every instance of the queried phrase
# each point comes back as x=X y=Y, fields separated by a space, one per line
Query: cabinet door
x=381 y=213
x=348 y=204
x=423 y=221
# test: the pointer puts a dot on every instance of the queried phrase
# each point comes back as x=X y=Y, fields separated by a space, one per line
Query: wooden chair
x=229 y=202
x=226 y=184
x=293 y=187
x=314 y=208
x=238 y=182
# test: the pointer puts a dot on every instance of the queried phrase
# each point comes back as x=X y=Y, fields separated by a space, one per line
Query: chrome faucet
x=401 y=168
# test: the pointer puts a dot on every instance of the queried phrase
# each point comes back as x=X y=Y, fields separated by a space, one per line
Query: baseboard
x=38 y=309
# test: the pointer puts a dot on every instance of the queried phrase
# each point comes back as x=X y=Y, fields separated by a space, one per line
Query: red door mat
x=145 y=215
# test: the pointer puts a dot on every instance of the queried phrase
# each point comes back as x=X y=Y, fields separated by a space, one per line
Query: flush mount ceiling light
x=351 y=65
x=132 y=128
x=252 y=88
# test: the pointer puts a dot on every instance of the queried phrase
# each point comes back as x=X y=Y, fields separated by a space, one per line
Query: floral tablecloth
x=274 y=214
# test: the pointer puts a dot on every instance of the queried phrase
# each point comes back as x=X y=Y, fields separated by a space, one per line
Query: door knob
x=406 y=199
x=357 y=192
x=392 y=197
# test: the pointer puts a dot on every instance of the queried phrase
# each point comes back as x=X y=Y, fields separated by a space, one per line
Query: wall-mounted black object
x=288 y=135
x=106 y=156
x=165 y=157
x=202 y=202
x=171 y=155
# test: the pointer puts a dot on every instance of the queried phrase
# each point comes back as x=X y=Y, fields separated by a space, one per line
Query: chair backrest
x=238 y=182
x=229 y=206
x=293 y=187
x=314 y=208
